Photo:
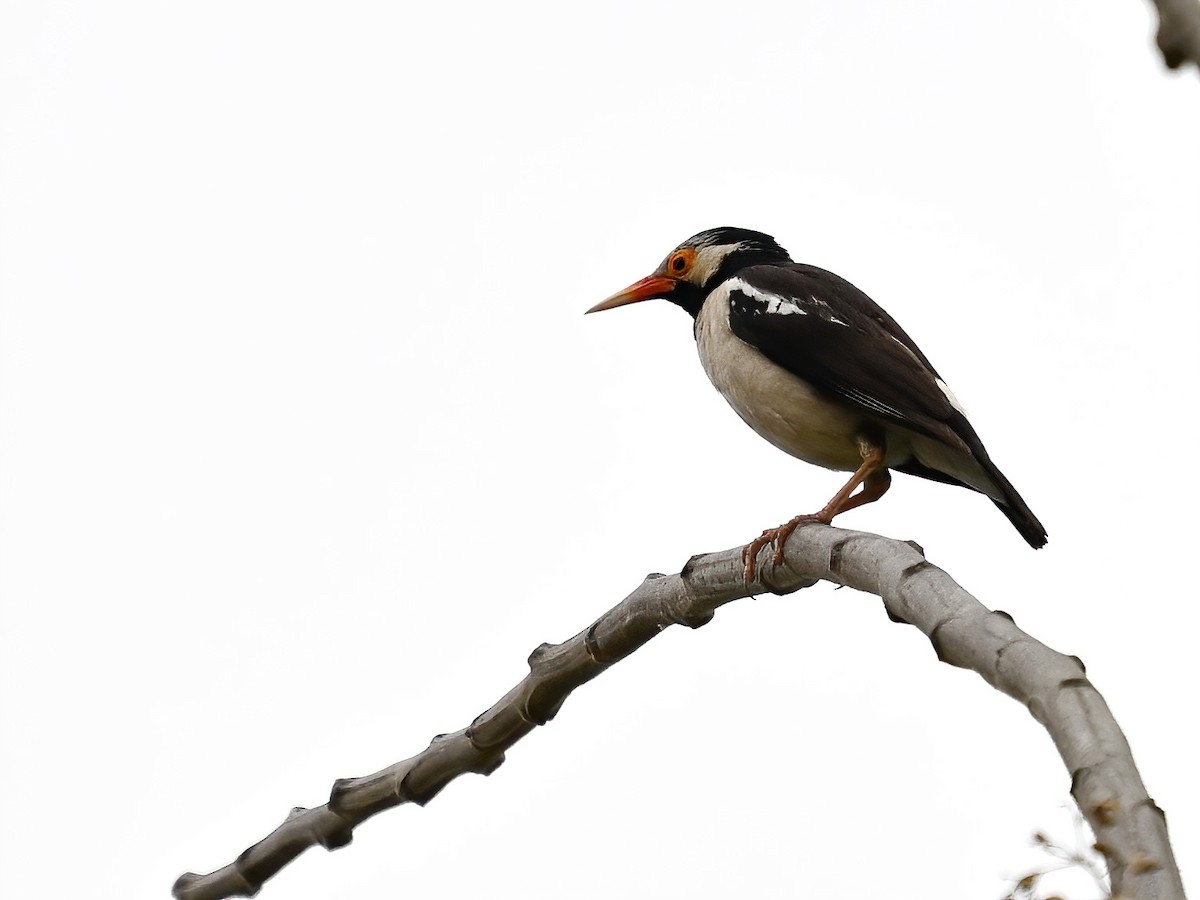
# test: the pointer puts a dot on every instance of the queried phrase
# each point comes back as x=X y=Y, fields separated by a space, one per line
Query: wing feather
x=826 y=331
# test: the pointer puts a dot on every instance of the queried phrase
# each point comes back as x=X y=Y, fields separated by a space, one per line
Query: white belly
x=784 y=409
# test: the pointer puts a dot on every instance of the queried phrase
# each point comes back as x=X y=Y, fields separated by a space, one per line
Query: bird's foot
x=775 y=537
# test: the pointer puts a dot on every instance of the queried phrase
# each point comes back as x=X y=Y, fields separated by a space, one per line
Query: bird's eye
x=680 y=262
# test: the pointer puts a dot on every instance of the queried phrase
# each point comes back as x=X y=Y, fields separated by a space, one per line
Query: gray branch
x=1130 y=829
x=1179 y=32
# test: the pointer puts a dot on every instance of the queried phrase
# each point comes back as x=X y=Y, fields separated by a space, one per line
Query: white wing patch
x=783 y=306
x=776 y=305
x=950 y=396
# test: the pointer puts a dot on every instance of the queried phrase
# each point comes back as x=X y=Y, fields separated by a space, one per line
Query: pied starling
x=814 y=365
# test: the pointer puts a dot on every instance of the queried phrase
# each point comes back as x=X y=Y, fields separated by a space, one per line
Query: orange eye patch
x=680 y=262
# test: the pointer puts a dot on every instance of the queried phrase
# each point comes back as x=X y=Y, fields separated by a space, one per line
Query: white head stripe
x=709 y=259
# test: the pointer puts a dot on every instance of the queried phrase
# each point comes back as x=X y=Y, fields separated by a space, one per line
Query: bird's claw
x=750 y=554
x=774 y=537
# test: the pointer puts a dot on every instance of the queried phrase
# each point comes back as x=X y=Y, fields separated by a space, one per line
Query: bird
x=821 y=371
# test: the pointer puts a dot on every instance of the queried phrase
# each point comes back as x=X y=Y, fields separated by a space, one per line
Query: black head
x=698 y=265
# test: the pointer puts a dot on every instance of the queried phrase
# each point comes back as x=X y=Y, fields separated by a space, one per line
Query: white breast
x=784 y=409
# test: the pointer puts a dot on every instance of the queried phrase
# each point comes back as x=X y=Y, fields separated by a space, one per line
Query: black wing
x=825 y=330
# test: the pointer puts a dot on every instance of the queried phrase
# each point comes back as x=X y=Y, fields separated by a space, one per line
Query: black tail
x=1023 y=519
x=1008 y=502
x=1016 y=509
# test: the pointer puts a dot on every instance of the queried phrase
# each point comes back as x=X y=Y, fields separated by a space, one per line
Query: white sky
x=306 y=443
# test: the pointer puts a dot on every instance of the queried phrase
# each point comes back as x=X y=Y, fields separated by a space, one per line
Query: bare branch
x=1179 y=32
x=1130 y=829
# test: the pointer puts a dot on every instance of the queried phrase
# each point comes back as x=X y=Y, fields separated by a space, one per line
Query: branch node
x=538 y=654
x=916 y=568
x=249 y=885
x=592 y=645
x=1107 y=810
x=1074 y=683
x=942 y=645
x=1143 y=863
x=490 y=758
x=835 y=555
x=689 y=567
x=339 y=792
x=443 y=760
x=473 y=737
x=332 y=840
x=491 y=764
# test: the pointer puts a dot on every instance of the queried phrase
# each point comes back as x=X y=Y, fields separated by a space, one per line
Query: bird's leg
x=875 y=480
x=872 y=475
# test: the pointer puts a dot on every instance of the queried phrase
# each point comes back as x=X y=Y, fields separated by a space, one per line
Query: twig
x=1131 y=830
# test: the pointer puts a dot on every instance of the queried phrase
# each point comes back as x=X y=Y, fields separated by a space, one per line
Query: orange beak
x=647 y=289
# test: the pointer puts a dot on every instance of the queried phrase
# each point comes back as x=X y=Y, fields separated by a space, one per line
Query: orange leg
x=872 y=475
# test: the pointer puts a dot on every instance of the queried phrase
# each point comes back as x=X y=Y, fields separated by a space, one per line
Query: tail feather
x=1023 y=520
x=1010 y=503
x=973 y=468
